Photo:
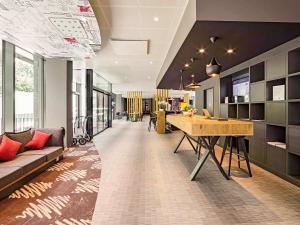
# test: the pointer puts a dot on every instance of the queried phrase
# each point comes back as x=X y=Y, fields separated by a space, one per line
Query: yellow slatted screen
x=135 y=103
x=161 y=95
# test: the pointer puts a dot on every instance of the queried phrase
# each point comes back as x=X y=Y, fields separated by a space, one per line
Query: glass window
x=100 y=83
x=24 y=91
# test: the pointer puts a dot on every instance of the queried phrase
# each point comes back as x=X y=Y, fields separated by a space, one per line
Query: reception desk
x=206 y=133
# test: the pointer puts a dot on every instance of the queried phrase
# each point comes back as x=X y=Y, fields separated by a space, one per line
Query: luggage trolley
x=80 y=135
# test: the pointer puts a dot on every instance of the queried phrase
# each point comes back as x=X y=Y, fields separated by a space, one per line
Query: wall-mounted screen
x=241 y=86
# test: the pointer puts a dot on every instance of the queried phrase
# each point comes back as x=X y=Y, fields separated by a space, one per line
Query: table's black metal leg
x=243 y=147
x=230 y=155
x=238 y=152
x=199 y=147
x=210 y=147
x=195 y=150
x=184 y=135
x=224 y=149
x=199 y=164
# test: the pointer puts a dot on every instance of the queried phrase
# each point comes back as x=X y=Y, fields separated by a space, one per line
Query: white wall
x=207 y=84
x=119 y=103
x=55 y=105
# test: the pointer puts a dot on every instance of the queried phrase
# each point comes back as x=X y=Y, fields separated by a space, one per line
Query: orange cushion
x=9 y=149
x=38 y=141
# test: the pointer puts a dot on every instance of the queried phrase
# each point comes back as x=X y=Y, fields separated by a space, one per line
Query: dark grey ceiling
x=249 y=39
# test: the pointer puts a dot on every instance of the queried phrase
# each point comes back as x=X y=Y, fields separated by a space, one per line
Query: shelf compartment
x=294 y=84
x=275 y=134
x=257 y=111
x=276 y=158
x=258 y=92
x=276 y=67
x=226 y=88
x=276 y=112
x=243 y=111
x=294 y=113
x=257 y=72
x=294 y=61
x=294 y=165
x=271 y=84
x=293 y=140
x=232 y=111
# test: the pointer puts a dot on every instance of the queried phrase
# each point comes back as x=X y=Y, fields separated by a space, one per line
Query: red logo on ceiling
x=71 y=39
x=84 y=8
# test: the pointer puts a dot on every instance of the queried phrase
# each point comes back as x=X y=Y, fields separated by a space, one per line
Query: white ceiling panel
x=134 y=20
x=166 y=17
x=115 y=3
x=132 y=47
x=163 y=3
x=130 y=17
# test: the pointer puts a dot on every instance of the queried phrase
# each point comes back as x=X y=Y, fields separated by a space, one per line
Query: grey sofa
x=30 y=163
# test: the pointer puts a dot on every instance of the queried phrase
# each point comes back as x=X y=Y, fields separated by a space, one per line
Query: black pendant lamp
x=213 y=68
x=193 y=85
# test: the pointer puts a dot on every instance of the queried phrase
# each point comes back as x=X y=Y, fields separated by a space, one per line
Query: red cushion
x=38 y=141
x=8 y=149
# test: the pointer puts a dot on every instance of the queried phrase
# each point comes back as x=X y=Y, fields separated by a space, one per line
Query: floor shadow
x=231 y=201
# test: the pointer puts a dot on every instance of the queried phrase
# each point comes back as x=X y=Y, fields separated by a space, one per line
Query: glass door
x=95 y=112
x=100 y=122
x=100 y=111
x=105 y=112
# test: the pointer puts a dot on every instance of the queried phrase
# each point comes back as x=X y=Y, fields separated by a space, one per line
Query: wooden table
x=207 y=133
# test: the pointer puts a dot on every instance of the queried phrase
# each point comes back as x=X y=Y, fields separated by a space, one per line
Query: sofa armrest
x=57 y=137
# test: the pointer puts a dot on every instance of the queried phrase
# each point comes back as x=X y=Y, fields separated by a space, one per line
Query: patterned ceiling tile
x=52 y=28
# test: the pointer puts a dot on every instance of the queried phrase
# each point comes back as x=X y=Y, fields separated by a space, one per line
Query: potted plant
x=188 y=110
x=162 y=106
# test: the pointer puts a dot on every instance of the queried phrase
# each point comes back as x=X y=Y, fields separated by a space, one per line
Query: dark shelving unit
x=257 y=111
x=294 y=113
x=271 y=84
x=232 y=111
x=293 y=90
x=257 y=72
x=274 y=120
x=243 y=111
x=294 y=61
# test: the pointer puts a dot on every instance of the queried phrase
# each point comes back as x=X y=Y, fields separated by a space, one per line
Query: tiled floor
x=143 y=182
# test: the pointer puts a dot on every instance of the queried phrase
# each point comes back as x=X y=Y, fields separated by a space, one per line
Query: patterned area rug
x=65 y=194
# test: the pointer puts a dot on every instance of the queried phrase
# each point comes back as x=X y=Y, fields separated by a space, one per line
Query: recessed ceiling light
x=230 y=51
x=151 y=62
x=116 y=62
x=186 y=65
x=156 y=19
x=201 y=50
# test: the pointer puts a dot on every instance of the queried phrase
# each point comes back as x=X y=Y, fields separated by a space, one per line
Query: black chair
x=153 y=119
